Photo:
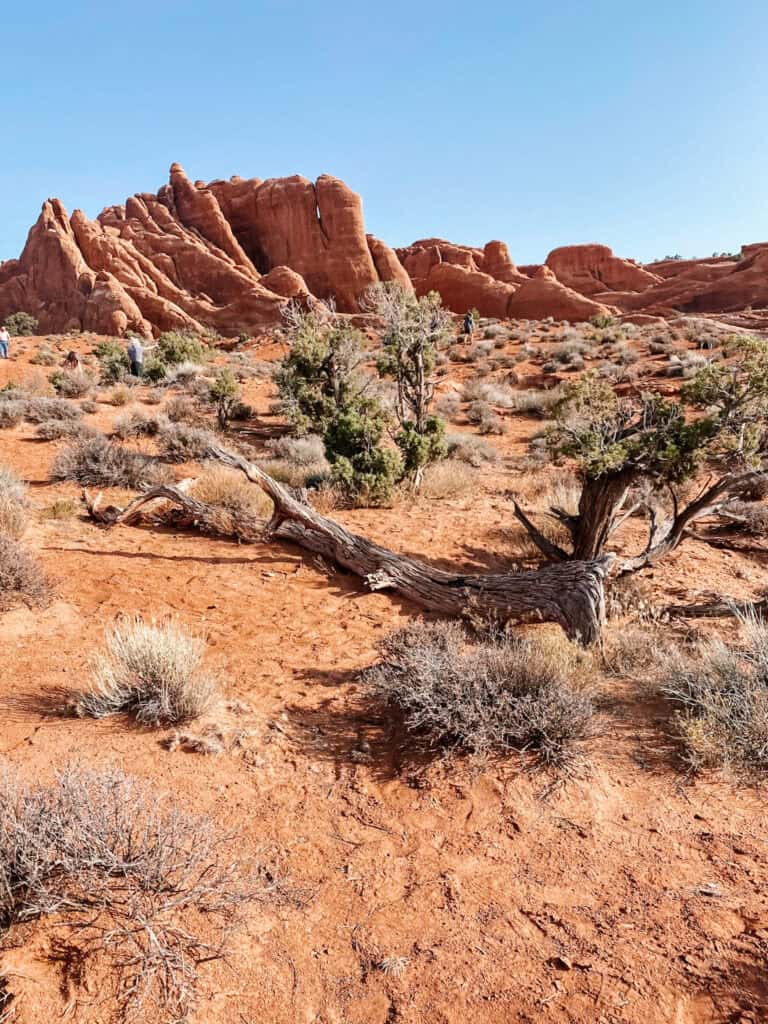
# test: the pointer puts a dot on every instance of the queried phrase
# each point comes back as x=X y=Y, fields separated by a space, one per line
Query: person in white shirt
x=5 y=340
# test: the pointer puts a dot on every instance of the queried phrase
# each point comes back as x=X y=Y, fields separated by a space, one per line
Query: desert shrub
x=176 y=347
x=149 y=887
x=602 y=320
x=449 y=406
x=14 y=504
x=113 y=361
x=138 y=423
x=181 y=442
x=569 y=352
x=184 y=409
x=44 y=357
x=720 y=696
x=11 y=413
x=89 y=406
x=102 y=463
x=499 y=694
x=224 y=393
x=37 y=410
x=21 y=578
x=470 y=449
x=151 y=671
x=20 y=324
x=71 y=383
x=488 y=421
x=154 y=369
x=303 y=451
x=363 y=470
x=55 y=430
x=447 y=479
x=183 y=373
x=154 y=396
x=119 y=396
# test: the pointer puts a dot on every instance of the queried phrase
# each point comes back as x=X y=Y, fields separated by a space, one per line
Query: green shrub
x=20 y=324
x=113 y=361
x=362 y=469
x=71 y=383
x=175 y=347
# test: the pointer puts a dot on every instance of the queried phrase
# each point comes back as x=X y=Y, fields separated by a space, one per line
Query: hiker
x=136 y=350
x=72 y=362
x=469 y=323
x=5 y=339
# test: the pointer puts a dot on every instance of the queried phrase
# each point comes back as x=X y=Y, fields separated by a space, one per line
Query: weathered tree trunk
x=599 y=505
x=570 y=594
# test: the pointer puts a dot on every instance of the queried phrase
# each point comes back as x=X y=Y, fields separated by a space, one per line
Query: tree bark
x=570 y=594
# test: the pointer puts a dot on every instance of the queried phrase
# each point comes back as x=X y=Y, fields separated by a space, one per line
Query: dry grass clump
x=119 y=396
x=21 y=578
x=447 y=479
x=229 y=490
x=102 y=463
x=152 y=889
x=181 y=442
x=18 y=405
x=720 y=695
x=502 y=693
x=470 y=449
x=152 y=671
x=14 y=504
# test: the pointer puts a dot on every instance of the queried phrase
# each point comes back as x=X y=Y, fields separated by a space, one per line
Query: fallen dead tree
x=570 y=594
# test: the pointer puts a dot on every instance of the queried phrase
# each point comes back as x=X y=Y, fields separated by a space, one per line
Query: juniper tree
x=629 y=451
x=413 y=330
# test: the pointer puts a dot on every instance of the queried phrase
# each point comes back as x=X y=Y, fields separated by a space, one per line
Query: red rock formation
x=498 y=263
x=593 y=268
x=543 y=295
x=230 y=254
x=462 y=289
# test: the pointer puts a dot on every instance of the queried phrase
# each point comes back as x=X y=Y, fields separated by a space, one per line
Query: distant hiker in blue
x=5 y=339
x=469 y=324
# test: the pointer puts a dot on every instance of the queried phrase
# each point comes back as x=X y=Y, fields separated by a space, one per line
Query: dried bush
x=152 y=671
x=184 y=409
x=488 y=422
x=11 y=413
x=499 y=694
x=54 y=430
x=750 y=517
x=14 y=504
x=720 y=696
x=21 y=578
x=89 y=406
x=102 y=463
x=307 y=451
x=119 y=396
x=540 y=402
x=37 y=409
x=447 y=478
x=470 y=449
x=71 y=383
x=44 y=357
x=132 y=875
x=449 y=406
x=139 y=423
x=181 y=442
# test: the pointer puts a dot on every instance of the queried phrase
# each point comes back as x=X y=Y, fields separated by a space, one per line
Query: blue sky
x=643 y=125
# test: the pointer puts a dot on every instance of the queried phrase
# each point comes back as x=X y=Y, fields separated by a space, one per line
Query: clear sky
x=639 y=123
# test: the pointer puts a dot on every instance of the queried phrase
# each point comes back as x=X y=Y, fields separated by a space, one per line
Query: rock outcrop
x=229 y=255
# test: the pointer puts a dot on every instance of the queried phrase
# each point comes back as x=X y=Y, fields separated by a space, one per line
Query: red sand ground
x=623 y=893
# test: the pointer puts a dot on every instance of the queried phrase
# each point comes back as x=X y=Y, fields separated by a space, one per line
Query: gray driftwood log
x=570 y=593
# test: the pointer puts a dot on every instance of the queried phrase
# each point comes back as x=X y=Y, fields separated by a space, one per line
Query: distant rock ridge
x=229 y=255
